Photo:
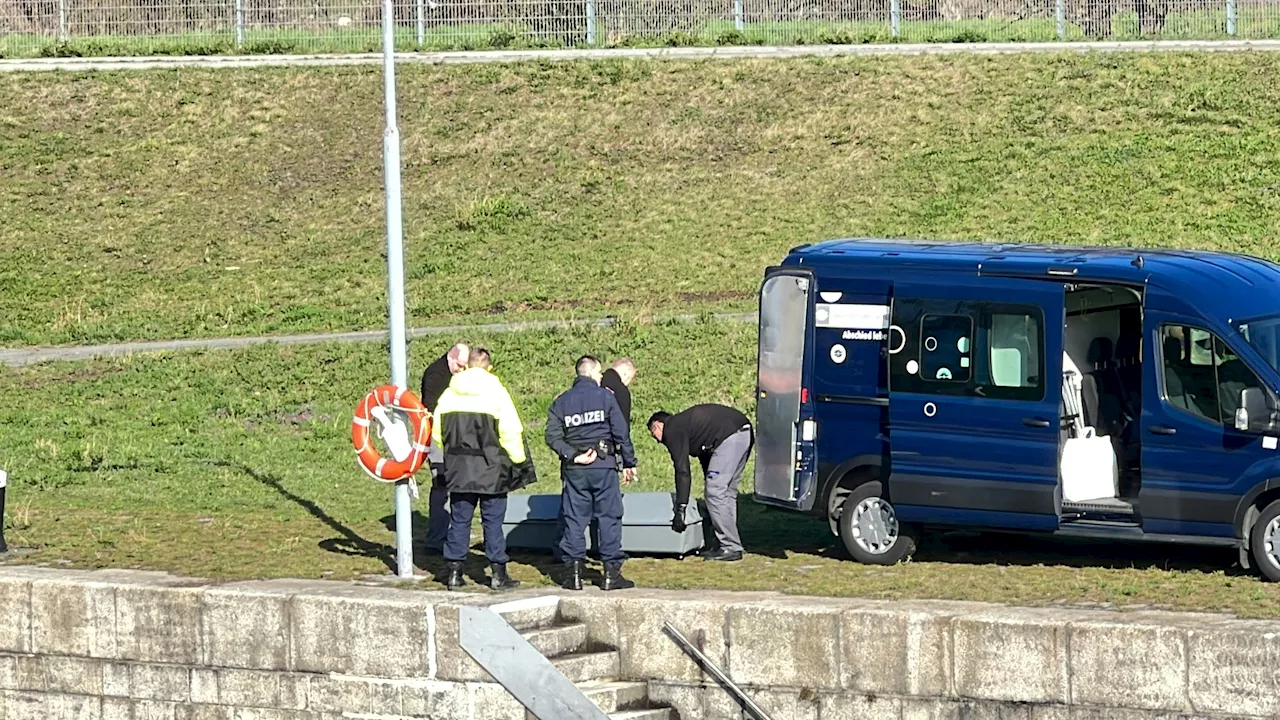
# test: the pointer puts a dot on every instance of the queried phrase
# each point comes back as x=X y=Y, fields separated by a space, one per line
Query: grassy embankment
x=196 y=204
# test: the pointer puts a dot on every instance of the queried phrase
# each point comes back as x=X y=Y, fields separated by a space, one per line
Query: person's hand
x=586 y=458
x=628 y=476
x=677 y=522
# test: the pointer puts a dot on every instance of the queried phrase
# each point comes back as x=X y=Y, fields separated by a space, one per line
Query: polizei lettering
x=586 y=418
x=877 y=335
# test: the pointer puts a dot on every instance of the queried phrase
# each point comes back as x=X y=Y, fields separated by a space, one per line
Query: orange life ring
x=390 y=469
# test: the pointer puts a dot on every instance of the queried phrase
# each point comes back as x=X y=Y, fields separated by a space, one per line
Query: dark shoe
x=613 y=579
x=501 y=580
x=708 y=552
x=456 y=578
x=722 y=555
x=572 y=575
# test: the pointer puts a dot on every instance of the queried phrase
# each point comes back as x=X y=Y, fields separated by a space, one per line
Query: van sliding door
x=974 y=396
x=784 y=328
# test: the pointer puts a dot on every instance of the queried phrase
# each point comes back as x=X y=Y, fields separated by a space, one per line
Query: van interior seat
x=1108 y=418
x=1174 y=385
x=1129 y=370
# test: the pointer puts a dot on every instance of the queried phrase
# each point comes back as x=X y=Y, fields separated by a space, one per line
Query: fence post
x=591 y=22
x=895 y=17
x=239 y=23
x=422 y=23
x=739 y=22
x=1060 y=15
x=62 y=20
x=1231 y=17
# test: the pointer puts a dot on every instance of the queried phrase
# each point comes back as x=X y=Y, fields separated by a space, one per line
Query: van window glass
x=1202 y=375
x=946 y=348
x=1015 y=350
x=989 y=350
x=1264 y=336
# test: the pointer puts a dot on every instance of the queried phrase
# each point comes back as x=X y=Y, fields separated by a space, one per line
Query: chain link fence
x=148 y=27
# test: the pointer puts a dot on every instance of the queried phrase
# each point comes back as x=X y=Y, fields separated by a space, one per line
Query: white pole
x=395 y=271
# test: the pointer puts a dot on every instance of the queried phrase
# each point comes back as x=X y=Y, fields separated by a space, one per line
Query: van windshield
x=1264 y=336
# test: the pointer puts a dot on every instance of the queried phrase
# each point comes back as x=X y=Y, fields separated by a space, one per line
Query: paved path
x=28 y=356
x=687 y=53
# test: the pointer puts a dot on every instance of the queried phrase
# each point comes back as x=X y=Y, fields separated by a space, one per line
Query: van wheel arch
x=1254 y=504
x=844 y=483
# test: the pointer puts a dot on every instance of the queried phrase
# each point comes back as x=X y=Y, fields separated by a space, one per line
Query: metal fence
x=144 y=27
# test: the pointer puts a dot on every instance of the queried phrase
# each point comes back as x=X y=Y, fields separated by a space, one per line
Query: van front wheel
x=1265 y=542
x=870 y=530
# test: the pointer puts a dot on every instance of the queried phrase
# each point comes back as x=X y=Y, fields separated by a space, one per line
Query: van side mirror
x=1254 y=412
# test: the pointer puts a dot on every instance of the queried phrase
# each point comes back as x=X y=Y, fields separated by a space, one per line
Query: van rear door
x=974 y=401
x=784 y=334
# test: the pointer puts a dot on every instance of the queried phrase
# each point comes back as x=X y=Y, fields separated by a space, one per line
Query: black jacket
x=583 y=416
x=697 y=432
x=613 y=382
x=482 y=437
x=434 y=380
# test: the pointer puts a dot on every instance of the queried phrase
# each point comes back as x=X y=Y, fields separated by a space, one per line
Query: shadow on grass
x=773 y=533
x=351 y=543
x=993 y=548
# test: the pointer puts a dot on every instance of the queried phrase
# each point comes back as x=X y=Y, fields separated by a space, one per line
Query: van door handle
x=1163 y=430
x=1035 y=422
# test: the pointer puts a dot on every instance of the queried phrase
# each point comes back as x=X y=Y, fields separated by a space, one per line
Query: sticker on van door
x=851 y=316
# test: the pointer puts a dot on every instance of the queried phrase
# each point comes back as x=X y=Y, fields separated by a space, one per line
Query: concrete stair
x=593 y=669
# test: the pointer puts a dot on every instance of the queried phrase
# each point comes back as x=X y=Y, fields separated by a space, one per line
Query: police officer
x=586 y=429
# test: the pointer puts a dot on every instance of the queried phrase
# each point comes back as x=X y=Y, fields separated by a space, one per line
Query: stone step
x=584 y=667
x=616 y=696
x=529 y=613
x=557 y=640
x=651 y=714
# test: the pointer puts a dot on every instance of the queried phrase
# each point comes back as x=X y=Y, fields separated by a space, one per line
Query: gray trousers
x=437 y=514
x=724 y=475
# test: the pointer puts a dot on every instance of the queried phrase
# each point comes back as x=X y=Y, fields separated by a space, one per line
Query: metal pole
x=239 y=23
x=1231 y=17
x=895 y=17
x=422 y=23
x=1060 y=15
x=591 y=22
x=738 y=696
x=4 y=480
x=395 y=271
x=62 y=19
x=738 y=21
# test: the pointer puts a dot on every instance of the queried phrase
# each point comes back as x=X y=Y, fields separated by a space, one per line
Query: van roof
x=1237 y=286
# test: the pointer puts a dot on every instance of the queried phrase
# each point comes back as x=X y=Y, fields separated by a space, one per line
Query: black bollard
x=4 y=548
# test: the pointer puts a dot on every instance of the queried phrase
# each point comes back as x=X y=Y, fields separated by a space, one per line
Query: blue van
x=1101 y=393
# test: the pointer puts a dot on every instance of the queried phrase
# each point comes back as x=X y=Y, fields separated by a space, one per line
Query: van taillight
x=804 y=395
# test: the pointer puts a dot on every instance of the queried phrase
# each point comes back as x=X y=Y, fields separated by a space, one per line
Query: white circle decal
x=838 y=353
x=931 y=344
x=913 y=367
x=963 y=345
x=821 y=315
x=895 y=350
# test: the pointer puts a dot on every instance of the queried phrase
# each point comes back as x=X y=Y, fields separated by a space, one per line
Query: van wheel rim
x=1271 y=540
x=875 y=526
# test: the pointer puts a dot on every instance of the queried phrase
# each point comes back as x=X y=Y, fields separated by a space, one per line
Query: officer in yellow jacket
x=485 y=457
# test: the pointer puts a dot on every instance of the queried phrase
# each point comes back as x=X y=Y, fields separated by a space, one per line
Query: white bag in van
x=1089 y=468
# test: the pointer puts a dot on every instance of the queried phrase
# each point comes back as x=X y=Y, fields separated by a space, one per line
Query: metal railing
x=144 y=27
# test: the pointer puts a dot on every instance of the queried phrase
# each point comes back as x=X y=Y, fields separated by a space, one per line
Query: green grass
x=237 y=464
x=1252 y=23
x=202 y=203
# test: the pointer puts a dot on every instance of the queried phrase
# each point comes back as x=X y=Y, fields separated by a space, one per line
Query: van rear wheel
x=870 y=530
x=1264 y=541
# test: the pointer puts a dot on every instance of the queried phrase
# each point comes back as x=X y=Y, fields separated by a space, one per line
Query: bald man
x=434 y=381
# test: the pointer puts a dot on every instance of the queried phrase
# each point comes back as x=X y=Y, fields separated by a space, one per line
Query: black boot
x=573 y=575
x=501 y=580
x=613 y=579
x=456 y=579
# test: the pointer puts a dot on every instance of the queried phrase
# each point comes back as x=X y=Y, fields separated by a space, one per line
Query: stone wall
x=112 y=644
